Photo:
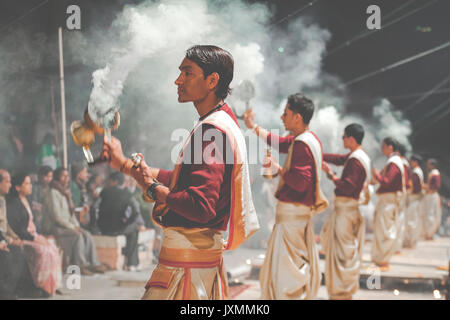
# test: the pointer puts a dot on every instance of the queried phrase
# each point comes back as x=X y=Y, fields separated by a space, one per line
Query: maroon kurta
x=390 y=180
x=202 y=195
x=435 y=182
x=353 y=176
x=300 y=180
x=416 y=185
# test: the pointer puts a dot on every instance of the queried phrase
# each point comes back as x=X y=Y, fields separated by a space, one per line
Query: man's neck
x=207 y=104
x=355 y=147
x=298 y=131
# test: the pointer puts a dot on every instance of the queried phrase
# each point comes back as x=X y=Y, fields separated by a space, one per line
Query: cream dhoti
x=385 y=226
x=190 y=266
x=342 y=240
x=412 y=224
x=401 y=223
x=431 y=214
x=291 y=267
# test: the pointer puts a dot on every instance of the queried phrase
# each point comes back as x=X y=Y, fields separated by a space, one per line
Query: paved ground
x=418 y=265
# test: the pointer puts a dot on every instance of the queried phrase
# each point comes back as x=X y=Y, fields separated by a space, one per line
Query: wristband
x=151 y=191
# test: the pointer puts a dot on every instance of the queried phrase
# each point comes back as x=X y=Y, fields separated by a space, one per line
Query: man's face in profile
x=191 y=82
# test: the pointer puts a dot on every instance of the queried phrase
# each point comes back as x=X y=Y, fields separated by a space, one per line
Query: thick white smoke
x=136 y=62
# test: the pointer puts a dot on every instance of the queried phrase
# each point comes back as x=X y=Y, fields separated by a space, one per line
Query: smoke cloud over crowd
x=136 y=63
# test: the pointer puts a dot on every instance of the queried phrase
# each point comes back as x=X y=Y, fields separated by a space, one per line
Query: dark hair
x=44 y=170
x=17 y=180
x=214 y=59
x=401 y=149
x=356 y=131
x=417 y=158
x=76 y=168
x=117 y=176
x=92 y=179
x=57 y=173
x=433 y=162
x=391 y=142
x=300 y=104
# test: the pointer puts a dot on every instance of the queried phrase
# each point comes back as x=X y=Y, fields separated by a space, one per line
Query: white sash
x=434 y=172
x=418 y=171
x=395 y=159
x=316 y=150
x=360 y=155
x=222 y=120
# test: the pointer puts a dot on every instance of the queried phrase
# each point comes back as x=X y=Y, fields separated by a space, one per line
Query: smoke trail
x=136 y=62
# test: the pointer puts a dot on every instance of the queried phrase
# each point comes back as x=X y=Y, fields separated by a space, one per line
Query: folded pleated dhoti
x=432 y=214
x=291 y=266
x=413 y=215
x=386 y=226
x=190 y=266
x=342 y=239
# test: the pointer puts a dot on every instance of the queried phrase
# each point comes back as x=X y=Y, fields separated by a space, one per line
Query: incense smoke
x=135 y=63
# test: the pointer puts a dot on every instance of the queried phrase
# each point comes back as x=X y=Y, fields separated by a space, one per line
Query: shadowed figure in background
x=119 y=214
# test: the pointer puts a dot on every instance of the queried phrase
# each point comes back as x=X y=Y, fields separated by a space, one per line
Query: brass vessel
x=83 y=134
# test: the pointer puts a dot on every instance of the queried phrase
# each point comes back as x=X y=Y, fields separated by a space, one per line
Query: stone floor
x=420 y=264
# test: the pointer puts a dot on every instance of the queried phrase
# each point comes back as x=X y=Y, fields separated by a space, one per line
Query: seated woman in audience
x=77 y=243
x=42 y=256
x=45 y=176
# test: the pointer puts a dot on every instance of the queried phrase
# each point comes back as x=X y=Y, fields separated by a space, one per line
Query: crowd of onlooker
x=47 y=223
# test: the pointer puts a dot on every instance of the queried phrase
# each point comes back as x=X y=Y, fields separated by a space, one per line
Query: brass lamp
x=83 y=133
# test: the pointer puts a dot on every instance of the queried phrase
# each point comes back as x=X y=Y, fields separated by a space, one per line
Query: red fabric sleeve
x=336 y=159
x=416 y=186
x=387 y=178
x=435 y=183
x=350 y=181
x=283 y=142
x=164 y=176
x=300 y=175
x=198 y=201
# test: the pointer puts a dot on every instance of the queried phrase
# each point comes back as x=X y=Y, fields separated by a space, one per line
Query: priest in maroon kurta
x=390 y=202
x=291 y=266
x=432 y=200
x=414 y=208
x=342 y=235
x=205 y=193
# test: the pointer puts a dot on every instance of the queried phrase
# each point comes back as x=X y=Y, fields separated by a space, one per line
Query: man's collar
x=220 y=105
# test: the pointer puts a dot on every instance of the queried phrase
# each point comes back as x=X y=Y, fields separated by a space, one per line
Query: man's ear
x=212 y=80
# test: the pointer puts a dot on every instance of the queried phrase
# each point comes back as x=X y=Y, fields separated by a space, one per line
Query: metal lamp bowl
x=82 y=134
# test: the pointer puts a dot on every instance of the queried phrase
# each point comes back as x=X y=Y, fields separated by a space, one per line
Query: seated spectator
x=77 y=243
x=119 y=214
x=15 y=277
x=42 y=256
x=80 y=177
x=94 y=187
x=45 y=176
